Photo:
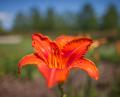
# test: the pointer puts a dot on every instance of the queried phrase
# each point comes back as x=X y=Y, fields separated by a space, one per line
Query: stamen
x=55 y=62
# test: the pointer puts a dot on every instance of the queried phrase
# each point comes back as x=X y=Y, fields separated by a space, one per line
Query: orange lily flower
x=54 y=59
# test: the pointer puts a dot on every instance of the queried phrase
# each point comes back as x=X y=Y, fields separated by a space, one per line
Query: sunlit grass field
x=12 y=53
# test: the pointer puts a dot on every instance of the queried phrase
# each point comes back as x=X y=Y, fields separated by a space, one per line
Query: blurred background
x=98 y=19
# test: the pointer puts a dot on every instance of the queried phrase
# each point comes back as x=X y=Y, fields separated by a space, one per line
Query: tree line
x=84 y=20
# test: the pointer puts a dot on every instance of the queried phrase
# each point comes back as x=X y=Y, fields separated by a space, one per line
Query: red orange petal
x=56 y=76
x=29 y=59
x=76 y=49
x=44 y=70
x=41 y=44
x=87 y=66
x=62 y=40
x=33 y=59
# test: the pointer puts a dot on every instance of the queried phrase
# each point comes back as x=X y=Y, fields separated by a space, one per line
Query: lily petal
x=41 y=44
x=56 y=76
x=33 y=59
x=76 y=49
x=62 y=40
x=87 y=66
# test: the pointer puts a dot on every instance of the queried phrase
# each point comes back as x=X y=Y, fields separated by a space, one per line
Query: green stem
x=60 y=87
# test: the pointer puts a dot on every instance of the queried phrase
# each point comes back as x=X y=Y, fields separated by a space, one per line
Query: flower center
x=56 y=62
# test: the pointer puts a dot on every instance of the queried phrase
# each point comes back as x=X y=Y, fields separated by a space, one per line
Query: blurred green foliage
x=111 y=19
x=85 y=20
x=11 y=54
x=1 y=27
